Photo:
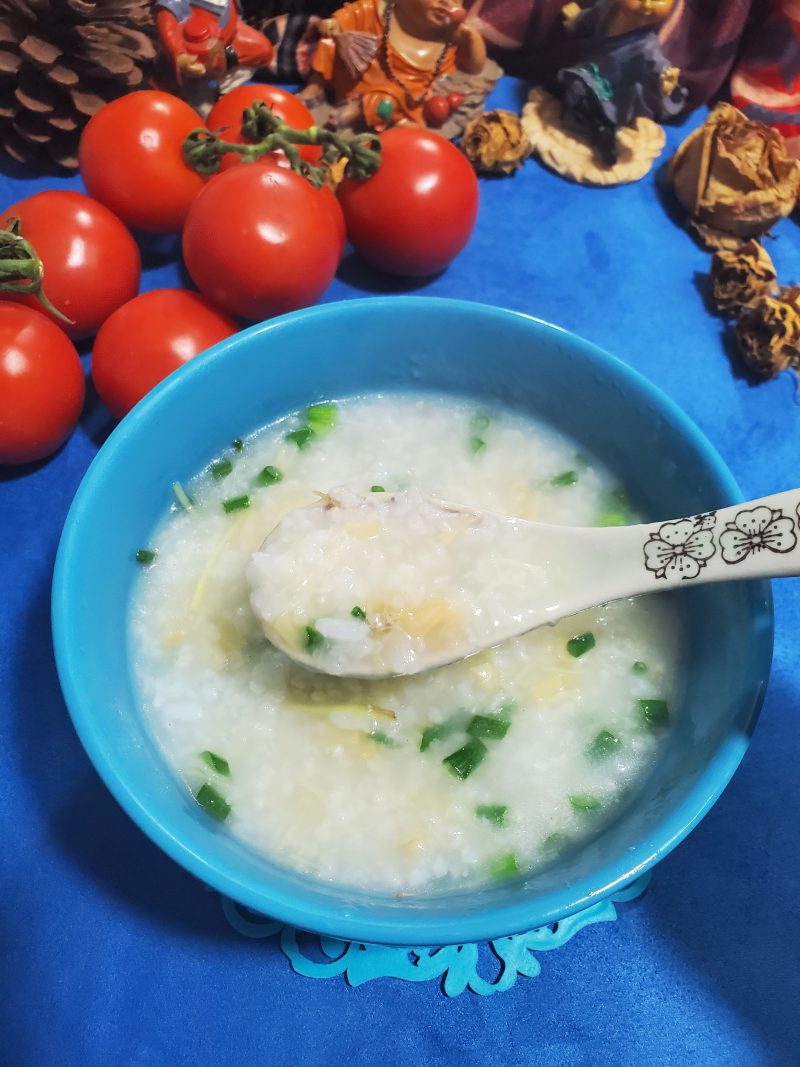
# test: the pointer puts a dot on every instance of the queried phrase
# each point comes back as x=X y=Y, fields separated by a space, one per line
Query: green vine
x=267 y=132
x=21 y=269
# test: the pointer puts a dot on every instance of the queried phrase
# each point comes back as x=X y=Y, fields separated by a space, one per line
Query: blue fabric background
x=111 y=954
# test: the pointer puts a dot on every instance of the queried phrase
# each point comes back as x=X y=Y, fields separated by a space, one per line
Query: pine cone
x=60 y=61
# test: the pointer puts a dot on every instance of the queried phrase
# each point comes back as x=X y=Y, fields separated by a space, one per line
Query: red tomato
x=91 y=262
x=416 y=213
x=148 y=338
x=130 y=159
x=227 y=114
x=335 y=208
x=41 y=385
x=260 y=240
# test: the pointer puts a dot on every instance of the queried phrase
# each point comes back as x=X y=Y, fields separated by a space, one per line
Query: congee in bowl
x=485 y=797
x=470 y=772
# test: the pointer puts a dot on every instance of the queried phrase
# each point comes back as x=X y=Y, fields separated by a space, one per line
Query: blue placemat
x=110 y=954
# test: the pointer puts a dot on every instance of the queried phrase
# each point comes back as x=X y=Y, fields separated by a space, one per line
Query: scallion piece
x=182 y=496
x=639 y=667
x=145 y=555
x=269 y=475
x=465 y=760
x=479 y=422
x=577 y=646
x=216 y=763
x=565 y=478
x=221 y=469
x=611 y=518
x=494 y=726
x=215 y=804
x=476 y=444
x=584 y=803
x=358 y=613
x=439 y=731
x=505 y=866
x=602 y=745
x=315 y=642
x=237 y=444
x=377 y=489
x=654 y=712
x=555 y=842
x=302 y=437
x=236 y=503
x=322 y=416
x=493 y=813
x=380 y=738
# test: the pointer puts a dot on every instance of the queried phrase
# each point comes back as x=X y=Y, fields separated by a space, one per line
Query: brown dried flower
x=495 y=143
x=738 y=277
x=734 y=177
x=768 y=332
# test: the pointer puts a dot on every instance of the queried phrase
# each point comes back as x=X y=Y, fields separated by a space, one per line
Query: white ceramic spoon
x=392 y=584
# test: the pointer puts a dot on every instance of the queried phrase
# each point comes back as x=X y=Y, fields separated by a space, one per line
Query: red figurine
x=206 y=41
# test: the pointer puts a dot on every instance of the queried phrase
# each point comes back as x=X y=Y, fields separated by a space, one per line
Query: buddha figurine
x=618 y=71
x=380 y=61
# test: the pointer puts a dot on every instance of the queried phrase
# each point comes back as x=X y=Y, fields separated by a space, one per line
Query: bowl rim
x=399 y=928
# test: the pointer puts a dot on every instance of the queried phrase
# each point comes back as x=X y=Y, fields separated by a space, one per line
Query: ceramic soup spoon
x=398 y=583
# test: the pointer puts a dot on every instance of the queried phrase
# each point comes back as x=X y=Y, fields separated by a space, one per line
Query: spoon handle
x=756 y=539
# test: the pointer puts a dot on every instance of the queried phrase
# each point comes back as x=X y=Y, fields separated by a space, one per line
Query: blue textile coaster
x=459 y=966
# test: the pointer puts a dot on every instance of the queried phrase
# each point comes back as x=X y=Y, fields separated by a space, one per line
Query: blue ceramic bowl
x=401 y=343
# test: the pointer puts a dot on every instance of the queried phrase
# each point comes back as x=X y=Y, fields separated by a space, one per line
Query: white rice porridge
x=460 y=775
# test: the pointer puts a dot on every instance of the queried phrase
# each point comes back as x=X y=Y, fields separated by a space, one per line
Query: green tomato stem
x=203 y=150
x=21 y=269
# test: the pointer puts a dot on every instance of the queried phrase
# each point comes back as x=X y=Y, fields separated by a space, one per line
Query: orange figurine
x=381 y=59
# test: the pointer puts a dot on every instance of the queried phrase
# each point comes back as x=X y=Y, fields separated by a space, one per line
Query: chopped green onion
x=439 y=731
x=602 y=746
x=493 y=813
x=654 y=712
x=380 y=738
x=216 y=763
x=358 y=613
x=145 y=555
x=269 y=476
x=620 y=498
x=236 y=503
x=493 y=726
x=215 y=804
x=565 y=478
x=576 y=646
x=182 y=496
x=479 y=422
x=504 y=867
x=322 y=416
x=639 y=667
x=465 y=760
x=377 y=489
x=237 y=444
x=476 y=444
x=611 y=518
x=302 y=437
x=555 y=842
x=221 y=469
x=315 y=642
x=584 y=802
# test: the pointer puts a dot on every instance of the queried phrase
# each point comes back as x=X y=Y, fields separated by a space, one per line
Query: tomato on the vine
x=41 y=385
x=148 y=338
x=225 y=117
x=260 y=240
x=130 y=158
x=416 y=213
x=91 y=262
